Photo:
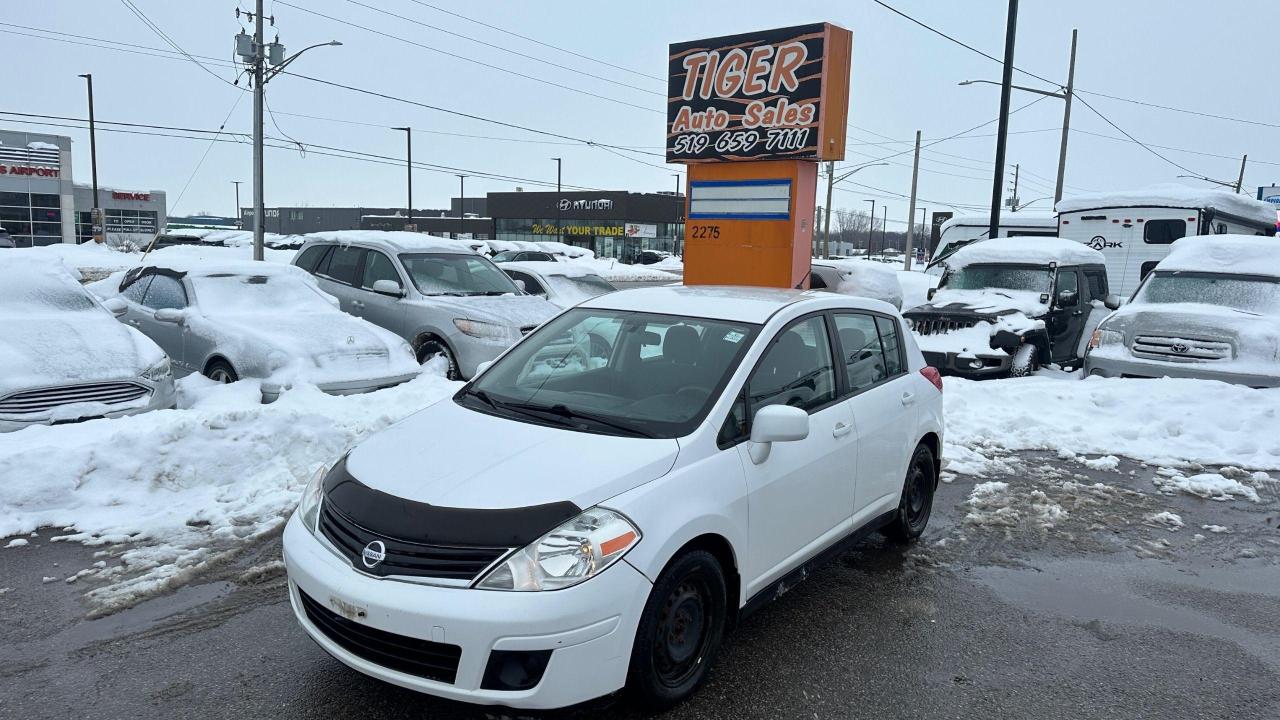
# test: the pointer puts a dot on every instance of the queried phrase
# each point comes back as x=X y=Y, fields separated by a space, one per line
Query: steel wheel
x=916 y=505
x=683 y=631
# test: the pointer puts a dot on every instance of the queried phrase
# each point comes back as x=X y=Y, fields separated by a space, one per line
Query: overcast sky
x=1215 y=58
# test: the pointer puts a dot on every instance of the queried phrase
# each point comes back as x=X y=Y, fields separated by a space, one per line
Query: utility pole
x=256 y=52
x=95 y=215
x=871 y=228
x=1002 y=133
x=826 y=232
x=462 y=203
x=1066 y=121
x=911 y=214
x=1239 y=181
x=884 y=229
x=239 y=224
x=408 y=168
x=675 y=237
x=559 y=230
x=1013 y=199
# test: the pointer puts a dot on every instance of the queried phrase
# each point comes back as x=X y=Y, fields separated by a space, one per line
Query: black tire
x=1026 y=360
x=221 y=371
x=680 y=631
x=433 y=347
x=916 y=505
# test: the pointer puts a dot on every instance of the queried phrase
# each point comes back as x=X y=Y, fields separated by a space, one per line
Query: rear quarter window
x=310 y=257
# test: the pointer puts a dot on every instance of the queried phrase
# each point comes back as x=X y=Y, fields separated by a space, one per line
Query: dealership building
x=41 y=205
x=613 y=224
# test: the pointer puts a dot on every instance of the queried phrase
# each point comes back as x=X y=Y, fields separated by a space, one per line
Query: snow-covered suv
x=1009 y=305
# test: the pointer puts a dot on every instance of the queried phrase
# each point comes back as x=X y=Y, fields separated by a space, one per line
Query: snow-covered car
x=63 y=356
x=857 y=277
x=437 y=294
x=561 y=284
x=1010 y=305
x=507 y=256
x=733 y=440
x=1210 y=309
x=261 y=320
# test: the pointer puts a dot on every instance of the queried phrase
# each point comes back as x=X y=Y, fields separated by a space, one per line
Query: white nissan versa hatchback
x=578 y=519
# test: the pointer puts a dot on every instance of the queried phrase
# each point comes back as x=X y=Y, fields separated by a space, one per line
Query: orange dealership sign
x=768 y=95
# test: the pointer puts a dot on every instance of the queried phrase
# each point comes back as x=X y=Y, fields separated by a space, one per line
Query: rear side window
x=343 y=263
x=816 y=282
x=864 y=361
x=891 y=342
x=165 y=292
x=1163 y=232
x=137 y=289
x=311 y=257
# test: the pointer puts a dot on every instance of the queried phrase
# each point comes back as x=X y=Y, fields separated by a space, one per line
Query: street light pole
x=559 y=230
x=871 y=228
x=1002 y=132
x=911 y=214
x=259 y=57
x=239 y=224
x=408 y=167
x=884 y=229
x=462 y=203
x=95 y=215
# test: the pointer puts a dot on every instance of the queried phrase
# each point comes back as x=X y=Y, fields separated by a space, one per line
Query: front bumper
x=589 y=627
x=271 y=391
x=1104 y=366
x=163 y=397
x=994 y=364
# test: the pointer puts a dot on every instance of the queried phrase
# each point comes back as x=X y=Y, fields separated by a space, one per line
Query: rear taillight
x=931 y=374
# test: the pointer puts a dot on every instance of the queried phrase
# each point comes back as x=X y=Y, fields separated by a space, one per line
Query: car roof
x=197 y=268
x=549 y=268
x=394 y=241
x=724 y=302
x=1225 y=254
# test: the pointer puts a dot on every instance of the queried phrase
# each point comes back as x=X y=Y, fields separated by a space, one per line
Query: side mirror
x=1068 y=298
x=520 y=284
x=117 y=306
x=932 y=291
x=1111 y=301
x=481 y=368
x=776 y=423
x=388 y=287
x=169 y=315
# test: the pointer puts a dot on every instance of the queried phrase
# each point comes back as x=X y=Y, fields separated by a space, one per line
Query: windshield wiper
x=564 y=411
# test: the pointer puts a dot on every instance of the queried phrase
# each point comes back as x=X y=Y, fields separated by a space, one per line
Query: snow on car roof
x=198 y=267
x=549 y=268
x=742 y=304
x=1173 y=195
x=1232 y=254
x=396 y=240
x=1026 y=250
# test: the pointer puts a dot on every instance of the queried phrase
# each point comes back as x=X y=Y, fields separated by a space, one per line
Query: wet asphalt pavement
x=1099 y=609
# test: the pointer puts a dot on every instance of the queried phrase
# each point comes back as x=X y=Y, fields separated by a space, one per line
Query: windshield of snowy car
x=235 y=293
x=1250 y=293
x=1033 y=278
x=456 y=274
x=614 y=372
x=41 y=291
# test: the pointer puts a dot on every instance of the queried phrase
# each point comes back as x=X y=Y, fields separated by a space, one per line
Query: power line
x=170 y=41
x=1252 y=161
x=464 y=58
x=507 y=50
x=537 y=42
x=200 y=163
x=1180 y=110
x=1144 y=146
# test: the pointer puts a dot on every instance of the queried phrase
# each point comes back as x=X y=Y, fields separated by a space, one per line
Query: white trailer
x=964 y=230
x=1134 y=229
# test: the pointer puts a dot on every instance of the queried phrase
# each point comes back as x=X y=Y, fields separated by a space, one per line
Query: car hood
x=517 y=311
x=449 y=456
x=1198 y=321
x=307 y=334
x=73 y=347
x=985 y=303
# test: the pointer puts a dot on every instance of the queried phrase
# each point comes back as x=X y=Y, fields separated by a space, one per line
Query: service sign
x=769 y=95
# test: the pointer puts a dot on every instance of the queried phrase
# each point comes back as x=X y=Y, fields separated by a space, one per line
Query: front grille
x=45 y=399
x=941 y=326
x=412 y=559
x=414 y=656
x=1172 y=348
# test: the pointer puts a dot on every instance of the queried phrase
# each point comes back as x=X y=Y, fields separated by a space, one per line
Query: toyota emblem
x=1180 y=348
x=373 y=553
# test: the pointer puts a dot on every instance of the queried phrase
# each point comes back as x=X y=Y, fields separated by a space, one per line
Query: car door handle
x=908 y=398
x=841 y=429
x=357 y=303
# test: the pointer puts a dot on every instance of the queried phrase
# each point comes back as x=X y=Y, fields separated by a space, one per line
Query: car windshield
x=1250 y=293
x=1008 y=277
x=29 y=292
x=231 y=293
x=580 y=287
x=456 y=274
x=614 y=372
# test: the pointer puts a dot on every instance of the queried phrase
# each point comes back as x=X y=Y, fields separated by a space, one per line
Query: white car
x=561 y=284
x=63 y=357
x=261 y=320
x=732 y=439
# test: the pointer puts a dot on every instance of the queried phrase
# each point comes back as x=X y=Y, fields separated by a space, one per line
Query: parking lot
x=1108 y=609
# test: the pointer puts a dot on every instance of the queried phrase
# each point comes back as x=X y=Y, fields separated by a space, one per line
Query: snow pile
x=1166 y=519
x=1026 y=251
x=992 y=504
x=1231 y=254
x=1211 y=486
x=232 y=238
x=550 y=246
x=867 y=279
x=1171 y=422
x=40 y=145
x=95 y=261
x=193 y=483
x=1172 y=195
x=671 y=263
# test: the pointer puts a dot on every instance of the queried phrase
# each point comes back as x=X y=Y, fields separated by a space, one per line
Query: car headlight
x=1103 y=337
x=312 y=495
x=486 y=330
x=576 y=551
x=159 y=371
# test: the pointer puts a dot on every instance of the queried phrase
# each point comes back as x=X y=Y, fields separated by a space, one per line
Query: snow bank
x=1172 y=195
x=1230 y=254
x=1026 y=250
x=187 y=485
x=1172 y=422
